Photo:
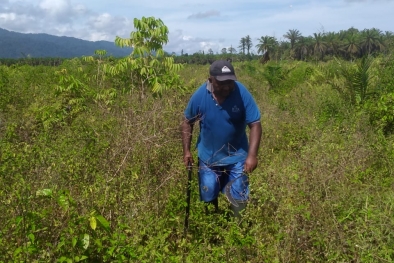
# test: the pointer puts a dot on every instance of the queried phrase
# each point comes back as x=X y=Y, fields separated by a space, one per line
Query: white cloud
x=202 y=15
x=55 y=6
x=193 y=24
x=107 y=27
x=8 y=17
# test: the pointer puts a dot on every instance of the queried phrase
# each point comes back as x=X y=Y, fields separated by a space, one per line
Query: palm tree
x=281 y=49
x=248 y=43
x=302 y=47
x=332 y=42
x=369 y=39
x=265 y=46
x=388 y=34
x=352 y=31
x=242 y=45
x=351 y=46
x=319 y=45
x=293 y=35
x=381 y=43
x=387 y=39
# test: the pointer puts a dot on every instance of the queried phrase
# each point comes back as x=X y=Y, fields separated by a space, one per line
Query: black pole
x=188 y=192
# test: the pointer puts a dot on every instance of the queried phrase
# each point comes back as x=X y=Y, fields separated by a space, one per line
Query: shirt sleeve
x=252 y=112
x=192 y=111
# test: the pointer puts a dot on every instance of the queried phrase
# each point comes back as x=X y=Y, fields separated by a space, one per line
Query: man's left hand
x=250 y=164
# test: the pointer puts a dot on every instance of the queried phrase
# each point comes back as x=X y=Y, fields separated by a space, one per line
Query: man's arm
x=254 y=143
x=187 y=131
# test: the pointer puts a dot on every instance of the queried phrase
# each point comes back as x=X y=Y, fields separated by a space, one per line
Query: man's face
x=222 y=88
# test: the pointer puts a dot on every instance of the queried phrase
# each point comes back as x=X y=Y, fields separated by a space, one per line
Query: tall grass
x=107 y=183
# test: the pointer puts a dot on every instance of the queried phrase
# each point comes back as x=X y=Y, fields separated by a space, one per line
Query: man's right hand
x=188 y=159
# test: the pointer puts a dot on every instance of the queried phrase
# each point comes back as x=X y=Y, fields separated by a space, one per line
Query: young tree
x=147 y=65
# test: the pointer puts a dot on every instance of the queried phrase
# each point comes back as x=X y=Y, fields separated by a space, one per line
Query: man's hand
x=254 y=143
x=187 y=130
x=188 y=159
x=250 y=164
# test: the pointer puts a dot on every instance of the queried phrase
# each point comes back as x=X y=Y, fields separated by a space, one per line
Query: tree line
x=348 y=44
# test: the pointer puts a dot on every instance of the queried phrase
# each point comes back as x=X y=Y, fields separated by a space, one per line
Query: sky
x=195 y=26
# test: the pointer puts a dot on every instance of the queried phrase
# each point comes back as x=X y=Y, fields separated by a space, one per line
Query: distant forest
x=350 y=44
x=21 y=46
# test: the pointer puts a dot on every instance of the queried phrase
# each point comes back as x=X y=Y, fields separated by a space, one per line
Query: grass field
x=91 y=170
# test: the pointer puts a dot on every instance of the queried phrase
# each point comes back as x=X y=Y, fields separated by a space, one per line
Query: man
x=223 y=107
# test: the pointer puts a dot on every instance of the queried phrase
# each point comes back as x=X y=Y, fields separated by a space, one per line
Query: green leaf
x=83 y=258
x=62 y=259
x=17 y=251
x=44 y=192
x=63 y=201
x=103 y=222
x=74 y=241
x=31 y=237
x=93 y=223
x=85 y=241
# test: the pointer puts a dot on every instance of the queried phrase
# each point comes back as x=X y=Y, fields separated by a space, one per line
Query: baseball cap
x=222 y=70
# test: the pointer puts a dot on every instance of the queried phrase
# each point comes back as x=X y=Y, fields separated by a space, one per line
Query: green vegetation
x=350 y=44
x=91 y=171
x=322 y=46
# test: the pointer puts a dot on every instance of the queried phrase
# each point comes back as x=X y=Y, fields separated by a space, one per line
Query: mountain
x=19 y=45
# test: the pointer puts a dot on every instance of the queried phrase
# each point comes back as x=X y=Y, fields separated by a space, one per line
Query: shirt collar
x=209 y=86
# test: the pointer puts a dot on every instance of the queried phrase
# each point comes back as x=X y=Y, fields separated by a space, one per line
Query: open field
x=91 y=167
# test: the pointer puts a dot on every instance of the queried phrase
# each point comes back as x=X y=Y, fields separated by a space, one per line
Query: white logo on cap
x=225 y=69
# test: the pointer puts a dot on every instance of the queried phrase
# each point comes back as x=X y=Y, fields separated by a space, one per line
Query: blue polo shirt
x=222 y=139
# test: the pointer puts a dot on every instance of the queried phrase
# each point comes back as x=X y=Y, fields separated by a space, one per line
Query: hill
x=19 y=45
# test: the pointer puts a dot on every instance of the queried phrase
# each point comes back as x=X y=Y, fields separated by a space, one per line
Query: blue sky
x=194 y=25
